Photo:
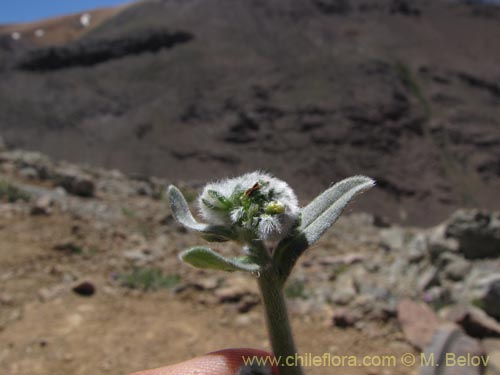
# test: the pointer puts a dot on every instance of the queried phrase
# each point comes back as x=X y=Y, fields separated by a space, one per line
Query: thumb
x=222 y=362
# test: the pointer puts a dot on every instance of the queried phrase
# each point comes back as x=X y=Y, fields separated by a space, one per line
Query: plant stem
x=278 y=324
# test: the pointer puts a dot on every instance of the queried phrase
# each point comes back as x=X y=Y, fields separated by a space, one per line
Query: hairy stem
x=278 y=324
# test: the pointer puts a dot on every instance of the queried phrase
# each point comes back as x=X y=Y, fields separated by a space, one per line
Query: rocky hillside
x=404 y=91
x=91 y=281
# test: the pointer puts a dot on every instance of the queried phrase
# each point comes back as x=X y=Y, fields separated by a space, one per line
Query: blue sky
x=32 y=10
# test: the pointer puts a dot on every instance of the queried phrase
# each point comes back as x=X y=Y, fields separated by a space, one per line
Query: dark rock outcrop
x=478 y=233
x=92 y=52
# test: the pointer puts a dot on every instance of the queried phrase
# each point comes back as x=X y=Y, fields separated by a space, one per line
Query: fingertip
x=222 y=362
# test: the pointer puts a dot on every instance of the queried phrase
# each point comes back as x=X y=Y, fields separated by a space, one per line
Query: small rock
x=142 y=255
x=207 y=283
x=478 y=233
x=28 y=173
x=229 y=294
x=109 y=290
x=68 y=277
x=239 y=292
x=493 y=363
x=346 y=259
x=438 y=243
x=85 y=289
x=381 y=221
x=492 y=348
x=60 y=192
x=8 y=167
x=457 y=269
x=474 y=321
x=203 y=298
x=75 y=182
x=393 y=237
x=428 y=278
x=144 y=189
x=26 y=159
x=344 y=318
x=243 y=320
x=374 y=307
x=491 y=345
x=48 y=293
x=450 y=342
x=418 y=321
x=417 y=248
x=43 y=206
x=436 y=295
x=491 y=299
x=235 y=288
x=302 y=307
x=345 y=289
x=6 y=299
x=248 y=302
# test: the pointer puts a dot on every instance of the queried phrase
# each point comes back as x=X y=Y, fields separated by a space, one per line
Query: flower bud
x=254 y=206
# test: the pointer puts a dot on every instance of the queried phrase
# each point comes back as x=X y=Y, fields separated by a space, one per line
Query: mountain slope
x=313 y=91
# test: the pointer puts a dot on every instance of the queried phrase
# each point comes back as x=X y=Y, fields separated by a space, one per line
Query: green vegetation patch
x=12 y=193
x=148 y=279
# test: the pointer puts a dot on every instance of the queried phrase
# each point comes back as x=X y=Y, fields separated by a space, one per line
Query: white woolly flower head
x=255 y=205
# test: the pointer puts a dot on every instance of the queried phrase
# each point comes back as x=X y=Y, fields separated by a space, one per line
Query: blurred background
x=104 y=103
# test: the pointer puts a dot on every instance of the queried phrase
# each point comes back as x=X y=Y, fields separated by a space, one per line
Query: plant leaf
x=183 y=215
x=222 y=199
x=206 y=258
x=316 y=218
x=325 y=209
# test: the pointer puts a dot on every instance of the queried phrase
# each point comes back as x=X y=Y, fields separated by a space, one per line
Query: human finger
x=222 y=362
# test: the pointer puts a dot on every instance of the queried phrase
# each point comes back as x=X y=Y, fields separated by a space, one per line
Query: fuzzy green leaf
x=183 y=215
x=206 y=258
x=316 y=218
x=325 y=209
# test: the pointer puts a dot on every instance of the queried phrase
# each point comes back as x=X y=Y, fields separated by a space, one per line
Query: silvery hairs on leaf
x=206 y=258
x=253 y=204
x=317 y=217
x=181 y=213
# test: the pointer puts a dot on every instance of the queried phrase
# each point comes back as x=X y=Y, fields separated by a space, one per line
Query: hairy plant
x=262 y=213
